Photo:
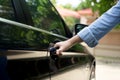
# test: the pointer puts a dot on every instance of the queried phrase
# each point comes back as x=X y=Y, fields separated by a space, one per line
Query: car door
x=27 y=29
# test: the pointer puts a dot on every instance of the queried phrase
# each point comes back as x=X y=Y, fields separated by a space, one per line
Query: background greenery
x=96 y=5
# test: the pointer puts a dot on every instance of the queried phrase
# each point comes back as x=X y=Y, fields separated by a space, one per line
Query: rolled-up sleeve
x=95 y=31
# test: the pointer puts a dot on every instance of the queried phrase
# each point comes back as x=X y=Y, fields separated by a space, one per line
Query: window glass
x=6 y=10
x=45 y=16
x=15 y=37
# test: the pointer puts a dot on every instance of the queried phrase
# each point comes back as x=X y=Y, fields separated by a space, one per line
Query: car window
x=6 y=10
x=45 y=16
x=17 y=37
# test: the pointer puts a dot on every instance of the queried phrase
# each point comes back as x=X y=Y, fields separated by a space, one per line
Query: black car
x=28 y=31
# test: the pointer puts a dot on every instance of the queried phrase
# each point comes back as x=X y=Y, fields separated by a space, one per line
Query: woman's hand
x=65 y=45
x=62 y=46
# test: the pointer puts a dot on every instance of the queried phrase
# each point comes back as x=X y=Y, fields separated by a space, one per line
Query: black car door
x=27 y=29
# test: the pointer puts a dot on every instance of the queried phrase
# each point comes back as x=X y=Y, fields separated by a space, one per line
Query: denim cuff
x=87 y=36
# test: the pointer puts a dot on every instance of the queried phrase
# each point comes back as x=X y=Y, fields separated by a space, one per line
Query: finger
x=59 y=52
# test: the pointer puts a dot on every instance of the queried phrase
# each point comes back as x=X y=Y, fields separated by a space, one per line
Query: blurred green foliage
x=96 y=5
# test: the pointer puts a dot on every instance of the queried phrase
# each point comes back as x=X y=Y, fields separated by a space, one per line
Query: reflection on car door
x=26 y=48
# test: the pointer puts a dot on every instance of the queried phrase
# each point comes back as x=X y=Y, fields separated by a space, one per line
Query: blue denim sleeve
x=95 y=31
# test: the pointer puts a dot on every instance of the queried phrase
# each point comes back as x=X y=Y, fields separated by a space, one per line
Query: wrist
x=75 y=39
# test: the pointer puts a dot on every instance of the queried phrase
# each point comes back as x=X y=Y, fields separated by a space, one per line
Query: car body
x=27 y=30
